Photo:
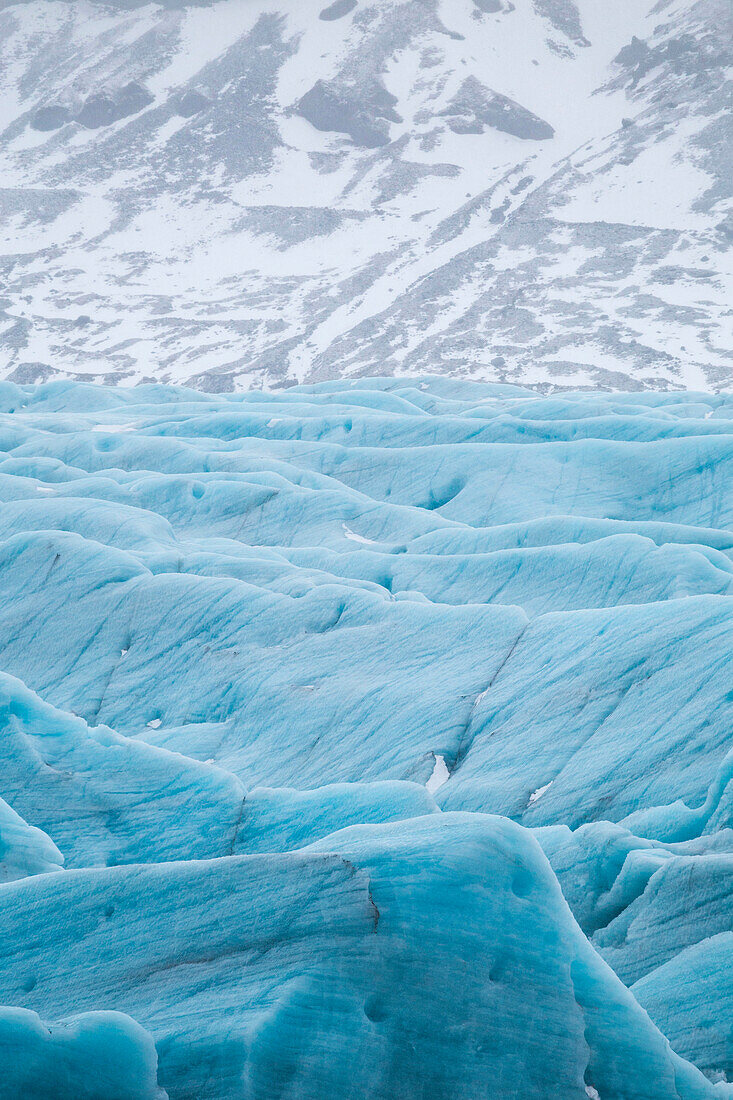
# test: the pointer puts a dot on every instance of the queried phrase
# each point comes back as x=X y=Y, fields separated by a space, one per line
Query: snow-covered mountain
x=255 y=192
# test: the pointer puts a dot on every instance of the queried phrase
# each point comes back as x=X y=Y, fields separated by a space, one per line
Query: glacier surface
x=365 y=739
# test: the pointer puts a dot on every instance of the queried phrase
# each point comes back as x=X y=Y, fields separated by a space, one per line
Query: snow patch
x=349 y=534
x=440 y=774
x=114 y=427
x=538 y=794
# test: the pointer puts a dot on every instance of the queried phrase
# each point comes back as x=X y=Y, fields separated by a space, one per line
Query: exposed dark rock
x=292 y=225
x=26 y=374
x=362 y=113
x=522 y=184
x=474 y=107
x=48 y=118
x=97 y=111
x=564 y=17
x=101 y=110
x=16 y=337
x=338 y=9
x=191 y=103
x=632 y=54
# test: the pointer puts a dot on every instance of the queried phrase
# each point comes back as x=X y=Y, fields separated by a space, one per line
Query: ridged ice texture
x=365 y=739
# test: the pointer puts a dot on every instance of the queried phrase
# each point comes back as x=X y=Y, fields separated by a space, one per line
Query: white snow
x=658 y=188
x=205 y=34
x=440 y=774
x=349 y=534
x=538 y=794
x=114 y=427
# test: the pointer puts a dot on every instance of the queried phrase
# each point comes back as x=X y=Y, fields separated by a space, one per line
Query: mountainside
x=257 y=192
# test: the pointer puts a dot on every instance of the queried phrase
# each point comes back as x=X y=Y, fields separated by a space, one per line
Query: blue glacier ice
x=24 y=849
x=92 y=1055
x=689 y=997
x=365 y=739
x=434 y=956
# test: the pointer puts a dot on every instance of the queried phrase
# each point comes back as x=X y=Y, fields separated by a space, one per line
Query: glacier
x=365 y=738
